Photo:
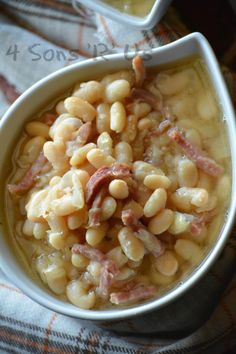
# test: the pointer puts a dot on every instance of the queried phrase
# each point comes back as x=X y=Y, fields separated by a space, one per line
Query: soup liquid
x=188 y=101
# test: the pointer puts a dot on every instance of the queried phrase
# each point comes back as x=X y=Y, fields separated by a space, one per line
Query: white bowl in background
x=154 y=16
x=39 y=96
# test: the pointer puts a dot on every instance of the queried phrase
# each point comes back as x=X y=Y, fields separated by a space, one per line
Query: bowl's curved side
x=154 y=16
x=45 y=90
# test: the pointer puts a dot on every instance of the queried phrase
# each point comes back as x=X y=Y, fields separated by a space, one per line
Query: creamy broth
x=132 y=7
x=120 y=190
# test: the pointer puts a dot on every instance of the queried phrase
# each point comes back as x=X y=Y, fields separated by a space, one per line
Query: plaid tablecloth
x=37 y=38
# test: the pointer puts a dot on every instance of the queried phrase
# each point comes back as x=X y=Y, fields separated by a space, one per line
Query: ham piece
x=90 y=252
x=146 y=96
x=104 y=175
x=140 y=292
x=163 y=127
x=203 y=162
x=95 y=211
x=109 y=268
x=49 y=118
x=150 y=241
x=139 y=70
x=30 y=177
x=84 y=133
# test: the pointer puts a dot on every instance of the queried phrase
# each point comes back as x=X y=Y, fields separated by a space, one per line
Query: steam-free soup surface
x=120 y=190
x=132 y=7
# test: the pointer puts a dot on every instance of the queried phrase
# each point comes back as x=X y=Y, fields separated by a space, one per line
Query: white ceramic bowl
x=154 y=16
x=38 y=96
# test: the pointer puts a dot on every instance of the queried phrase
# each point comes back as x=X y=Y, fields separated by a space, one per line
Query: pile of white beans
x=164 y=186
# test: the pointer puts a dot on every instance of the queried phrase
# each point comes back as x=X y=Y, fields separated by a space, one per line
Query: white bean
x=78 y=293
x=97 y=158
x=130 y=131
x=40 y=230
x=117 y=90
x=104 y=143
x=223 y=188
x=79 y=261
x=139 y=109
x=80 y=155
x=180 y=224
x=206 y=106
x=160 y=279
x=127 y=75
x=80 y=108
x=60 y=108
x=77 y=219
x=57 y=224
x=194 y=137
x=136 y=208
x=186 y=198
x=118 y=189
x=125 y=273
x=56 y=279
x=65 y=129
x=188 y=250
x=103 y=118
x=155 y=203
x=58 y=121
x=91 y=91
x=144 y=124
x=187 y=173
x=94 y=268
x=123 y=152
x=142 y=169
x=131 y=246
x=83 y=177
x=117 y=256
x=32 y=149
x=56 y=240
x=108 y=208
x=205 y=181
x=56 y=154
x=161 y=222
x=117 y=117
x=95 y=235
x=37 y=129
x=167 y=264
x=36 y=207
x=172 y=84
x=157 y=181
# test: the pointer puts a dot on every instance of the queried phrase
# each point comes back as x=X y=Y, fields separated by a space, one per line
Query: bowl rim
x=199 y=272
x=137 y=22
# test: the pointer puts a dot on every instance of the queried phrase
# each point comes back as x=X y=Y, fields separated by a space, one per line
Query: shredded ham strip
x=49 y=118
x=150 y=241
x=138 y=293
x=126 y=284
x=163 y=127
x=130 y=220
x=167 y=239
x=104 y=175
x=90 y=252
x=109 y=268
x=30 y=177
x=147 y=97
x=203 y=162
x=139 y=70
x=84 y=133
x=107 y=278
x=95 y=211
x=199 y=222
